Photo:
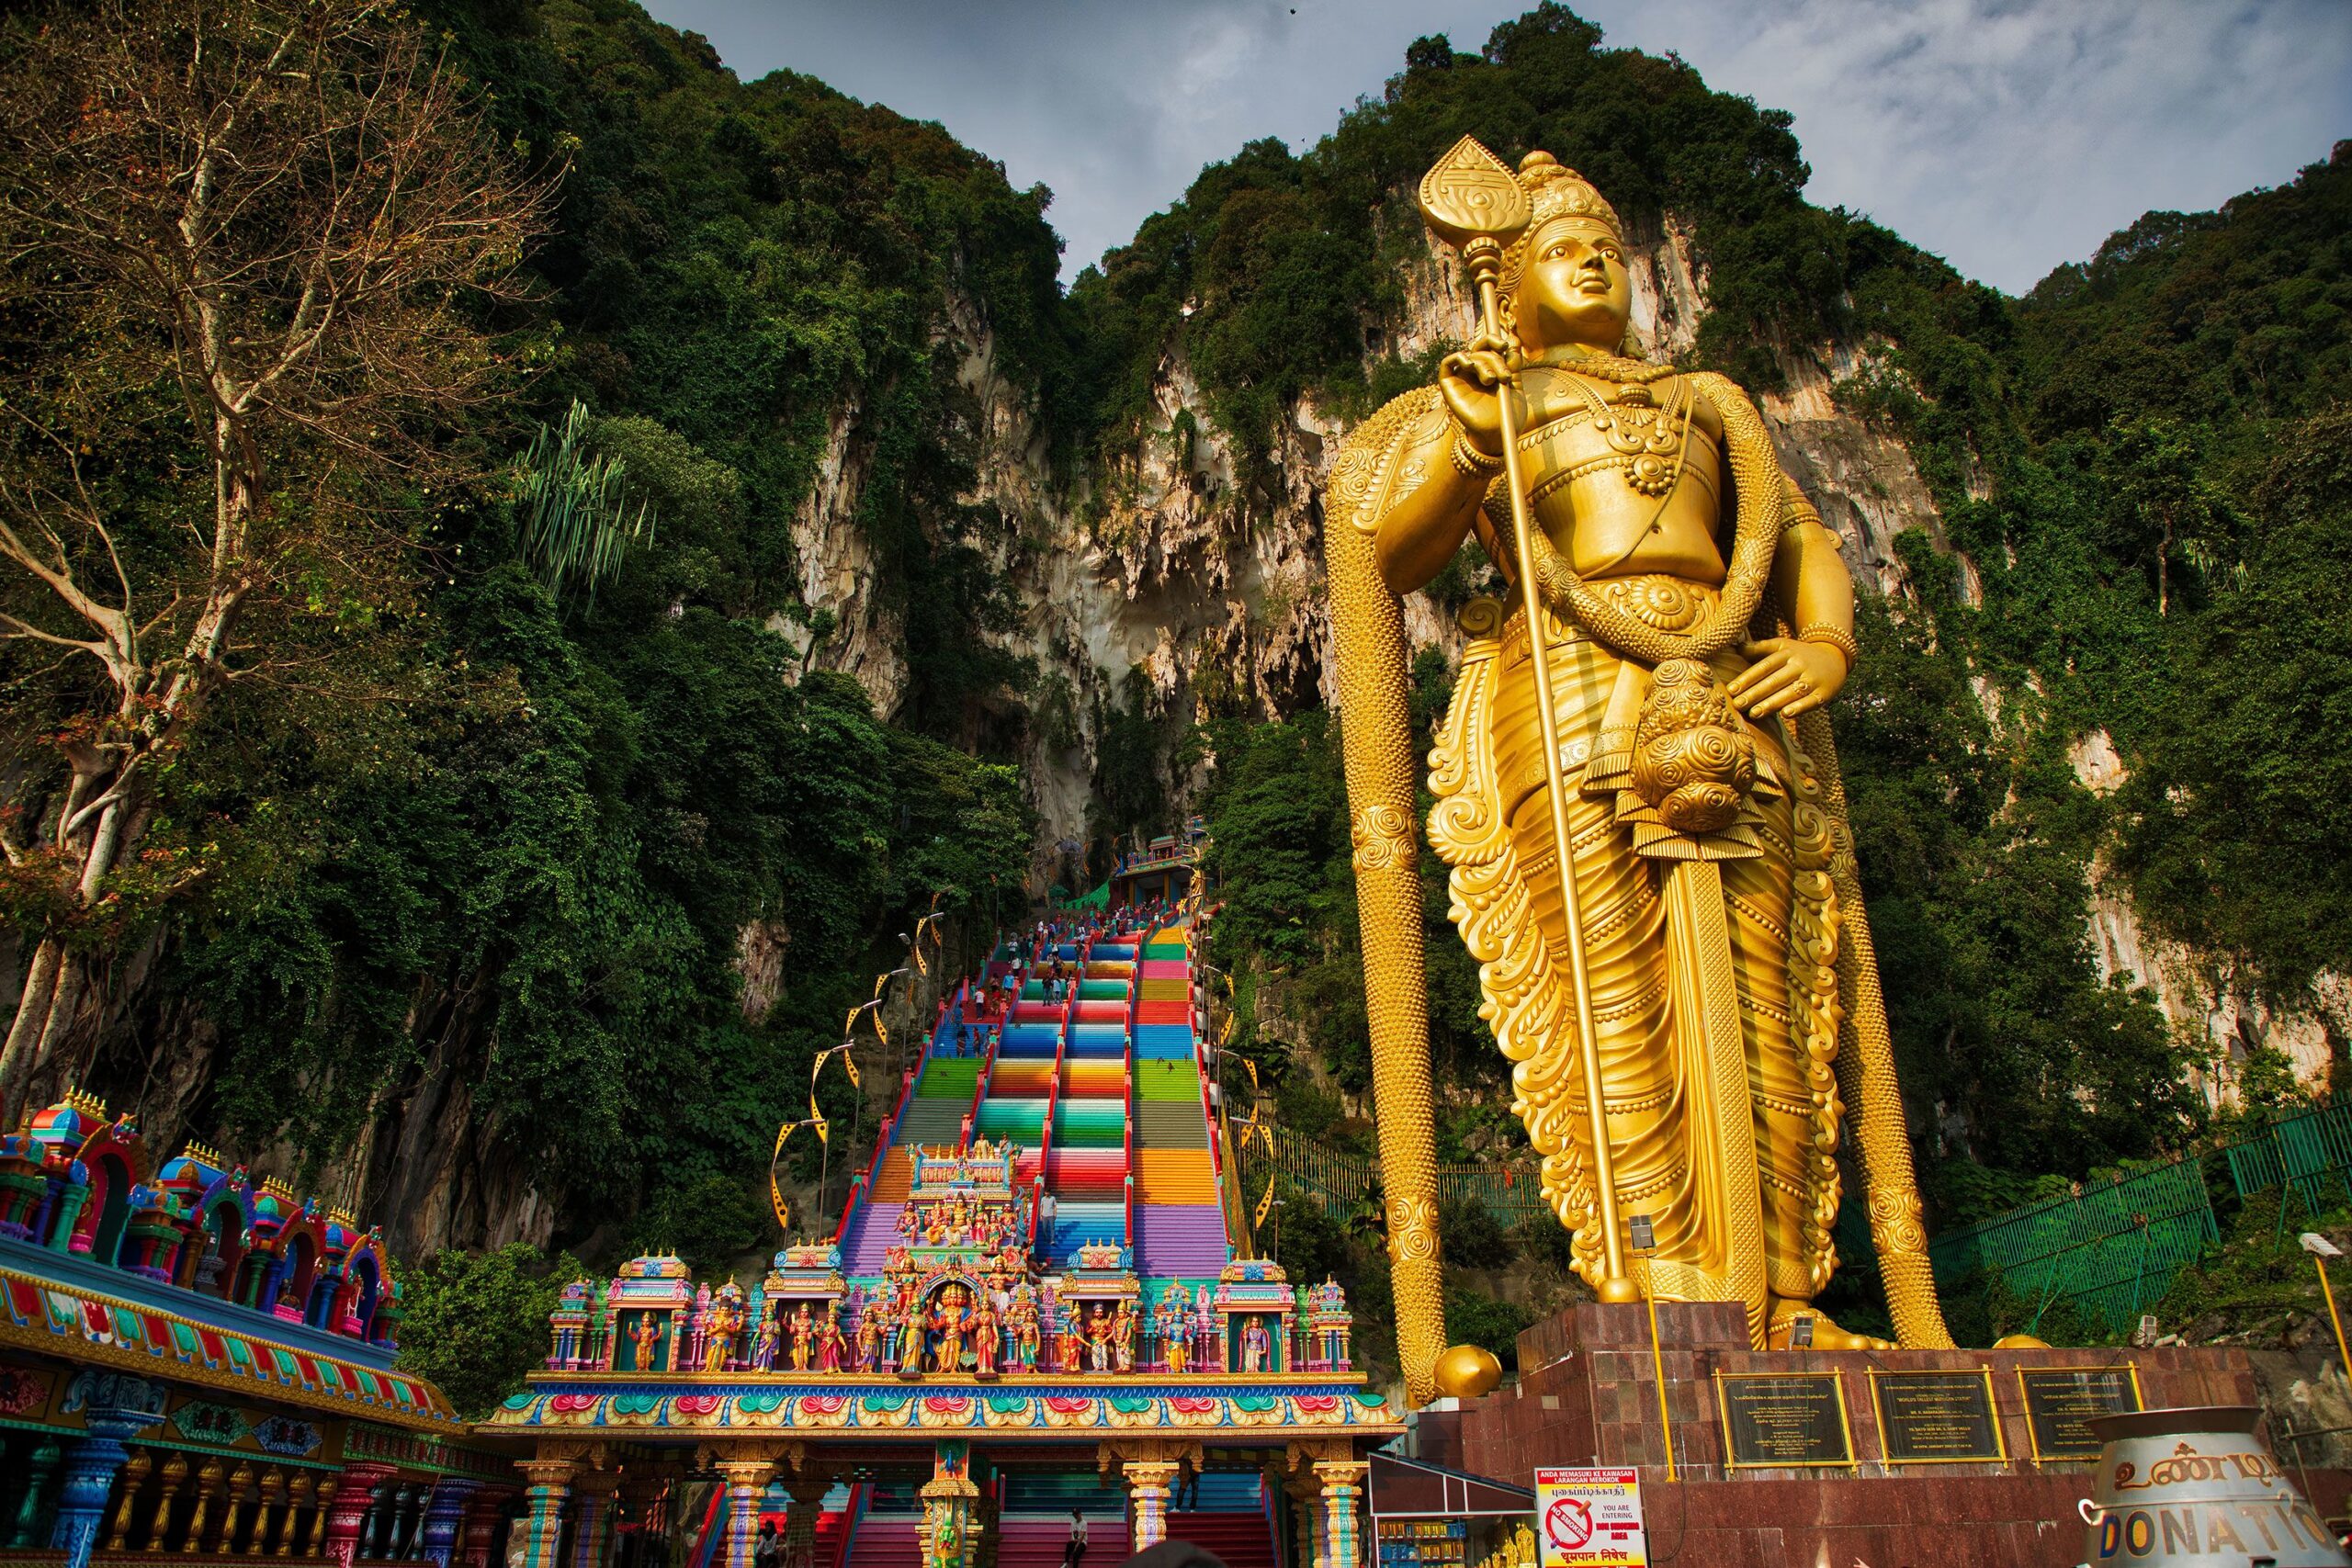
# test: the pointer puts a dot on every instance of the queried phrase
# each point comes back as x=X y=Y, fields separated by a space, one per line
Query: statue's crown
x=1555 y=190
x=1554 y=193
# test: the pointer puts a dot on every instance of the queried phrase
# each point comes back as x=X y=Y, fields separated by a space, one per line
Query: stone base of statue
x=1932 y=1459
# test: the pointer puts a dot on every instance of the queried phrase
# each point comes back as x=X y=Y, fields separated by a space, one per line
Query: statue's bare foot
x=1827 y=1334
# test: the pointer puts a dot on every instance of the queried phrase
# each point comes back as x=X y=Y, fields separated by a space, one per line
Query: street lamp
x=2321 y=1250
x=1644 y=1236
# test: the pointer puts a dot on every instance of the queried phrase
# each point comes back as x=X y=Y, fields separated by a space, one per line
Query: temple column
x=591 y=1516
x=800 y=1523
x=114 y=1406
x=134 y=1472
x=1148 y=1481
x=1342 y=1487
x=486 y=1511
x=747 y=1479
x=550 y=1484
x=1307 y=1529
x=37 y=1468
x=445 y=1518
x=354 y=1500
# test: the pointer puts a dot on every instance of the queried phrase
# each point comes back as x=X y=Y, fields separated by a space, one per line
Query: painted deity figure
x=1098 y=1340
x=869 y=1338
x=1695 y=618
x=1257 y=1346
x=1174 y=1328
x=829 y=1343
x=1123 y=1338
x=910 y=1223
x=1025 y=1330
x=988 y=1340
x=764 y=1356
x=951 y=1320
x=647 y=1338
x=803 y=1337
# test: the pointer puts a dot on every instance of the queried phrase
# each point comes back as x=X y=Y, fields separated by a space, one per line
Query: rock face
x=1169 y=561
x=2205 y=1000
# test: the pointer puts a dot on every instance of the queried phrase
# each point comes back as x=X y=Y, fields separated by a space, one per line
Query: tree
x=478 y=1320
x=251 y=252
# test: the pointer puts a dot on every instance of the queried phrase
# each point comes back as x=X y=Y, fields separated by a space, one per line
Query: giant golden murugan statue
x=1699 y=968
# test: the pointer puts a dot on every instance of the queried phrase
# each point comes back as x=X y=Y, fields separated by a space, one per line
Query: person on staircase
x=1075 y=1551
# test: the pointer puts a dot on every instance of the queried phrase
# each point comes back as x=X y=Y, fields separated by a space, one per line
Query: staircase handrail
x=853 y=1202
x=1045 y=1128
x=1127 y=1093
x=981 y=1081
x=859 y=1495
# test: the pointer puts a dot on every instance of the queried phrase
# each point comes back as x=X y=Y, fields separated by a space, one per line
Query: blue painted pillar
x=444 y=1519
x=115 y=1406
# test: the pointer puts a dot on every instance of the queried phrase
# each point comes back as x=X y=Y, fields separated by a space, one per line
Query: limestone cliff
x=1164 y=558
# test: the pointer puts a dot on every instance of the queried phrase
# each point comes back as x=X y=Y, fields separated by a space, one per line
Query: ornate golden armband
x=1837 y=637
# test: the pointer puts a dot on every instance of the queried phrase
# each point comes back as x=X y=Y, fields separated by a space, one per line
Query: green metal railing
x=2112 y=1249
x=2109 y=1250
x=2308 y=1153
x=2106 y=1250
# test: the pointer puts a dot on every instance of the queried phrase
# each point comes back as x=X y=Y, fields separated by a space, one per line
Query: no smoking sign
x=1591 y=1518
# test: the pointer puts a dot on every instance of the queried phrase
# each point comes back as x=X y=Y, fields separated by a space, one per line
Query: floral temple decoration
x=962 y=1303
x=199 y=1363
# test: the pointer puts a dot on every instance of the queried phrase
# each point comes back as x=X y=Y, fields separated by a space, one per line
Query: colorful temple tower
x=1036 y=1305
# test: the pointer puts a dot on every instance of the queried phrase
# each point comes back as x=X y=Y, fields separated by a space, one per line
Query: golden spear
x=1472 y=201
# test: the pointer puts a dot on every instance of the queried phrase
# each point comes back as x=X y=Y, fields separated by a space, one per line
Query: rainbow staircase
x=1086 y=1165
x=1099 y=1088
x=1180 y=1223
x=931 y=1110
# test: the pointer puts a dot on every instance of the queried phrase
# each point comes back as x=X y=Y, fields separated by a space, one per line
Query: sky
x=2006 y=136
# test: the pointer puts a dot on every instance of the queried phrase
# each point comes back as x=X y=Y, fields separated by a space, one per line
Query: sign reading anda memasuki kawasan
x=1591 y=1518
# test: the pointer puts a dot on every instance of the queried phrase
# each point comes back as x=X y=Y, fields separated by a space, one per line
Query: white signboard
x=1591 y=1518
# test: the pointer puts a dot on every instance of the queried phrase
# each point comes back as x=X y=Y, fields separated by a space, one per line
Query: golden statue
x=1700 y=968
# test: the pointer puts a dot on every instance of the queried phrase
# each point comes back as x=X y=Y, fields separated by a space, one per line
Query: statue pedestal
x=1586 y=1397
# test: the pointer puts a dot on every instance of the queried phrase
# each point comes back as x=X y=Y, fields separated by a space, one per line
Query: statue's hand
x=1470 y=383
x=1788 y=678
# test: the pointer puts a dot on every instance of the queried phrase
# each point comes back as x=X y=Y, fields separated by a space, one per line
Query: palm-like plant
x=576 y=519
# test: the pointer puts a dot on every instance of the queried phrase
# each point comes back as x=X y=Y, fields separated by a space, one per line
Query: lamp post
x=1643 y=1236
x=2321 y=1250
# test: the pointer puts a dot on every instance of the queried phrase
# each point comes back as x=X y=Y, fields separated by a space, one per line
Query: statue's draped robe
x=1714 y=1001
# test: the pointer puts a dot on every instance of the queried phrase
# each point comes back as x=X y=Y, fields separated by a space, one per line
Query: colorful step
x=1092 y=1079
x=1179 y=1241
x=1162 y=1079
x=1175 y=1176
x=1023 y=1121
x=1027 y=1077
x=1170 y=1124
x=949 y=1077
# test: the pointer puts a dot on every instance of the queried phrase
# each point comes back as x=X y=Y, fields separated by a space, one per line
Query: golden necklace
x=1651 y=441
x=1612 y=367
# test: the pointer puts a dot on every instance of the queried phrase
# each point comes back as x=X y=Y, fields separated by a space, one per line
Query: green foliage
x=575 y=517
x=478 y=1320
x=1271 y=270
x=1475 y=1317
x=526 y=858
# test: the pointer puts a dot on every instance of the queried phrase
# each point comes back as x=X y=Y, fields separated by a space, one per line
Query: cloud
x=2006 y=135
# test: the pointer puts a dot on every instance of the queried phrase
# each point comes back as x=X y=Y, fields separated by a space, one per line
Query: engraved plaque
x=1936 y=1418
x=2059 y=1400
x=1784 y=1419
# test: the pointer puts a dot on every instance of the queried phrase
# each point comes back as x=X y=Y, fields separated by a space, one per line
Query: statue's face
x=1575 y=290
